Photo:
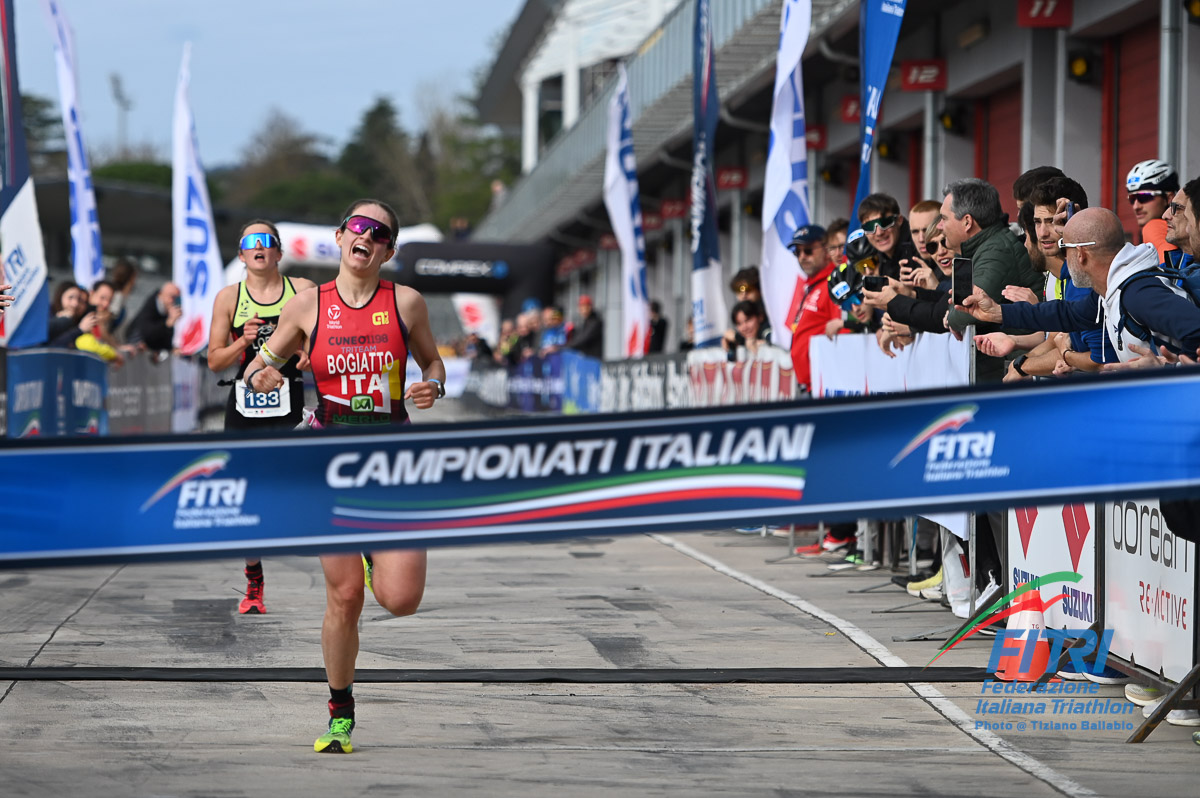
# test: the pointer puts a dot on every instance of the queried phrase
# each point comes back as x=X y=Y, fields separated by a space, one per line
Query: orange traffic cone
x=1029 y=617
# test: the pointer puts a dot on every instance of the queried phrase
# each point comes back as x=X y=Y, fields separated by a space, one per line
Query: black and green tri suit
x=267 y=410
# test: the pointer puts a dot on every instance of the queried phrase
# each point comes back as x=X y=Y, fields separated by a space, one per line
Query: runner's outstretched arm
x=262 y=373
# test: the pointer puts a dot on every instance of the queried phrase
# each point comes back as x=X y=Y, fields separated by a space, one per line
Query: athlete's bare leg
x=343 y=605
x=399 y=582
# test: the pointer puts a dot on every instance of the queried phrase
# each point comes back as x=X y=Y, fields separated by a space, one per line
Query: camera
x=847 y=281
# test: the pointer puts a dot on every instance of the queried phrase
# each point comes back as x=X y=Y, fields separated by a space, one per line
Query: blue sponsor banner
x=878 y=29
x=533 y=479
x=56 y=392
x=708 y=290
x=581 y=382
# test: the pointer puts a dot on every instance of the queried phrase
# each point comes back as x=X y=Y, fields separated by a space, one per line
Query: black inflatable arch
x=515 y=272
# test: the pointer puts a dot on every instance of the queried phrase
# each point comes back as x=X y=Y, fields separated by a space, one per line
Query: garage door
x=998 y=143
x=1135 y=84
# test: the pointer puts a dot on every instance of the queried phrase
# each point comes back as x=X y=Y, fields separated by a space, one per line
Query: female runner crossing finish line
x=363 y=330
x=241 y=318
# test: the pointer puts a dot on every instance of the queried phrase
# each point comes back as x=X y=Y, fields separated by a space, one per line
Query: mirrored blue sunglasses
x=256 y=240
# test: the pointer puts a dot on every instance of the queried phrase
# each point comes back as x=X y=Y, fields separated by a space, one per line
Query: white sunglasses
x=1064 y=245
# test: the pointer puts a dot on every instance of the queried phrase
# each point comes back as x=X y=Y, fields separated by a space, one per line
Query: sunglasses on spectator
x=358 y=225
x=877 y=225
x=1064 y=245
x=1144 y=197
x=1174 y=208
x=806 y=250
x=256 y=240
x=932 y=247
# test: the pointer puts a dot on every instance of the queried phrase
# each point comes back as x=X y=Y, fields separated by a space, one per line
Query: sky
x=321 y=62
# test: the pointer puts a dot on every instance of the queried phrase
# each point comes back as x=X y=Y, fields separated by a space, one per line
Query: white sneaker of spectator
x=1142 y=694
x=1176 y=717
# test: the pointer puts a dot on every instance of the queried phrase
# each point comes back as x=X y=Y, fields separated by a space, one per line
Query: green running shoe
x=337 y=739
x=368 y=571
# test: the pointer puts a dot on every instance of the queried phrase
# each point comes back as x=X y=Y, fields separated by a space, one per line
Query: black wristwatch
x=1018 y=362
x=438 y=383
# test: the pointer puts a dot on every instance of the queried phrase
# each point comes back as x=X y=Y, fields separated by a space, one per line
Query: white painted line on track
x=947 y=708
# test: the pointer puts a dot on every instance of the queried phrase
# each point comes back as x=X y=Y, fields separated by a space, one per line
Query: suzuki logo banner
x=530 y=479
x=785 y=189
x=198 y=271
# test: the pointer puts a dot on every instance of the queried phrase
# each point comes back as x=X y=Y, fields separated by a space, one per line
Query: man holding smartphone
x=975 y=226
x=154 y=324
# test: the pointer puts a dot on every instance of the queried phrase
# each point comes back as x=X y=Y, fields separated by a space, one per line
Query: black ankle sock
x=254 y=572
x=341 y=702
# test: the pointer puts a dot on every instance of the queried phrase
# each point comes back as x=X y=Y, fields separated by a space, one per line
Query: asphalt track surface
x=699 y=601
x=181 y=696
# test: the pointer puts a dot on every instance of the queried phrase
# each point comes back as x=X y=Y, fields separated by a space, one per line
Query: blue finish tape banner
x=559 y=478
x=78 y=380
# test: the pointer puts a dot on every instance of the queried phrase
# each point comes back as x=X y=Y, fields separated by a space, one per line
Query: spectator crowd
x=99 y=321
x=1058 y=291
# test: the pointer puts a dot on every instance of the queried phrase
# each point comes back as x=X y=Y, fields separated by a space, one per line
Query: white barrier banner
x=1149 y=588
x=765 y=375
x=1052 y=538
x=458 y=369
x=185 y=384
x=854 y=365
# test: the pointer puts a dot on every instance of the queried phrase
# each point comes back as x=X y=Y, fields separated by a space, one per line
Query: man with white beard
x=1145 y=311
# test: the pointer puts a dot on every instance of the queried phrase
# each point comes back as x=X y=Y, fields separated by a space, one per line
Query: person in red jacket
x=813 y=311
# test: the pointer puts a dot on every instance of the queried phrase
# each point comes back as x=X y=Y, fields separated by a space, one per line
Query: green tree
x=140 y=173
x=317 y=195
x=471 y=159
x=379 y=156
x=44 y=139
x=280 y=152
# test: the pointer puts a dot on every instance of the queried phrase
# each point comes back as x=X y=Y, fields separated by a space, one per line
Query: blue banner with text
x=529 y=478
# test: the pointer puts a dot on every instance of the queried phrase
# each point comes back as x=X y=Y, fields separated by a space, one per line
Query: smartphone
x=1070 y=210
x=874 y=282
x=961 y=284
x=177 y=300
